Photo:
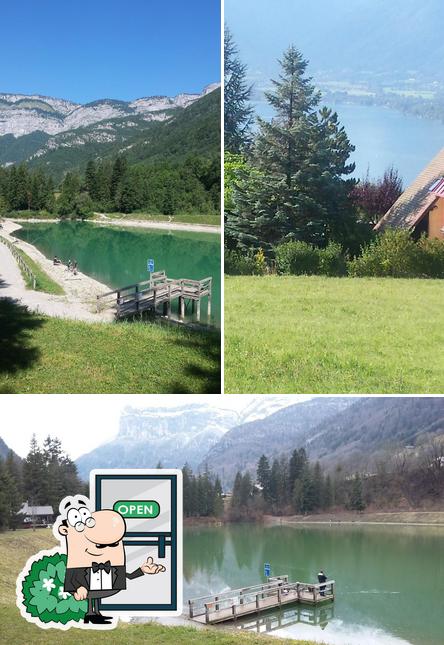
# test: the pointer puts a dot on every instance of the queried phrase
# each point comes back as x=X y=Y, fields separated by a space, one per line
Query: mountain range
x=60 y=135
x=352 y=431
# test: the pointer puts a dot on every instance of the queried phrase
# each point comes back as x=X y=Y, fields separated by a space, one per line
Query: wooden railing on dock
x=160 y=290
x=234 y=603
x=20 y=261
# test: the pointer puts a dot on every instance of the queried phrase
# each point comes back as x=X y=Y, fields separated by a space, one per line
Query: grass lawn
x=310 y=334
x=50 y=355
x=17 y=546
x=183 y=218
x=43 y=281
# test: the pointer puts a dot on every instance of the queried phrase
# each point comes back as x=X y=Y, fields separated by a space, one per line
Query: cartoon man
x=95 y=566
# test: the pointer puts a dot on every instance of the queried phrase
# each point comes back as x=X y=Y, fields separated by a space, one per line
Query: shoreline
x=78 y=302
x=377 y=518
x=133 y=223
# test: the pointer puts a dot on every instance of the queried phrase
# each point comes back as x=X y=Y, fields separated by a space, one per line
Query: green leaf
x=61 y=571
x=62 y=606
x=51 y=570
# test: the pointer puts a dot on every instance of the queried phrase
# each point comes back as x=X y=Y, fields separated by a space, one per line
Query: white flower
x=48 y=584
x=63 y=594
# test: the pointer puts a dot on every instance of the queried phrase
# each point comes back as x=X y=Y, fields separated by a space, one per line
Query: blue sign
x=267 y=570
x=150 y=266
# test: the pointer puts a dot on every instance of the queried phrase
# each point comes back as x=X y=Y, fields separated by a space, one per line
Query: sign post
x=267 y=569
x=150 y=502
x=150 y=265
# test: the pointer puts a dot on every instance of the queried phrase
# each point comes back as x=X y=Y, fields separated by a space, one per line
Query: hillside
x=282 y=431
x=148 y=130
x=5 y=450
x=354 y=432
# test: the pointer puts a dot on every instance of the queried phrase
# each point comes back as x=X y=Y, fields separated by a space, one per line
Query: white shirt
x=100 y=580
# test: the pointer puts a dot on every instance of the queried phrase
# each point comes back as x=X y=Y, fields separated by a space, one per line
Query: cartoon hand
x=81 y=593
x=151 y=567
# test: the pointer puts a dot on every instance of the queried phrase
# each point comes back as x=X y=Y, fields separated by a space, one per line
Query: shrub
x=394 y=254
x=300 y=258
x=332 y=261
x=297 y=258
x=237 y=263
x=42 y=592
x=431 y=252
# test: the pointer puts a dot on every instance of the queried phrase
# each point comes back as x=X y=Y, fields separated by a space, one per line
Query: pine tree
x=218 y=499
x=356 y=499
x=300 y=158
x=264 y=476
x=238 y=113
x=119 y=170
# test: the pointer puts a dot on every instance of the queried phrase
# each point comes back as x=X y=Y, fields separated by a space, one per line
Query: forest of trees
x=407 y=479
x=202 y=494
x=290 y=179
x=43 y=478
x=192 y=186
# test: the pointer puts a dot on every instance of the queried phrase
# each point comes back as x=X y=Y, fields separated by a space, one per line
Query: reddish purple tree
x=374 y=198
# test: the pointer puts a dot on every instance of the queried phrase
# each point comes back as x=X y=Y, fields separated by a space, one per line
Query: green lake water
x=389 y=579
x=118 y=256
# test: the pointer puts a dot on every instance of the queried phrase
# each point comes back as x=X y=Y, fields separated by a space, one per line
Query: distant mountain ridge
x=22 y=114
x=171 y=436
x=151 y=129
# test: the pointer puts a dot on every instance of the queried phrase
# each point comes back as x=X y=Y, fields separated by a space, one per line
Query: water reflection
x=278 y=620
x=389 y=580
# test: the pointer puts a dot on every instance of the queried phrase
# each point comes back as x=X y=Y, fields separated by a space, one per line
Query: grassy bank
x=333 y=335
x=183 y=218
x=17 y=546
x=43 y=281
x=50 y=355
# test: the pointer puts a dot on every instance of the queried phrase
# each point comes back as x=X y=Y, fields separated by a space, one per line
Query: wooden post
x=298 y=591
x=207 y=613
x=209 y=307
x=198 y=310
x=165 y=308
x=314 y=593
x=233 y=609
x=136 y=295
x=191 y=609
x=182 y=307
x=279 y=595
x=216 y=598
x=241 y=598
x=257 y=602
x=154 y=298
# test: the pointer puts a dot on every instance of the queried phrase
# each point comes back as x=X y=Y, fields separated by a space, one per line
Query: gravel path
x=79 y=301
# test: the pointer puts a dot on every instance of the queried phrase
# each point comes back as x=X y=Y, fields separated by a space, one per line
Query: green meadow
x=17 y=546
x=43 y=355
x=311 y=334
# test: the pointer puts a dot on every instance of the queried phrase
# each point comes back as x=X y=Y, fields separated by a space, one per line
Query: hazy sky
x=83 y=422
x=337 y=34
x=91 y=49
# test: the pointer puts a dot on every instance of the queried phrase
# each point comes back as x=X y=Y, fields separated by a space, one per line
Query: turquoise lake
x=118 y=256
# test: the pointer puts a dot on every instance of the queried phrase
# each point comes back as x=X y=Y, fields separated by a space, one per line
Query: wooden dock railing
x=20 y=261
x=234 y=603
x=159 y=290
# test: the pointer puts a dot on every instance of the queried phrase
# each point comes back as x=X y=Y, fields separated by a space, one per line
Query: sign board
x=150 y=501
x=150 y=265
x=267 y=569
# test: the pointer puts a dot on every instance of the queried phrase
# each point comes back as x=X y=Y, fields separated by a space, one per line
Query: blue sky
x=84 y=50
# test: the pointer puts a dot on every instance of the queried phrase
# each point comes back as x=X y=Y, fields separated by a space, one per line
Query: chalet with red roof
x=420 y=208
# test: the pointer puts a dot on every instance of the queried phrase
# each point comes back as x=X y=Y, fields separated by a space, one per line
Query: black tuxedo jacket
x=76 y=577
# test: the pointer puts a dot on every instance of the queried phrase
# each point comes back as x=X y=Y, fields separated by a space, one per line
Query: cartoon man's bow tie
x=101 y=567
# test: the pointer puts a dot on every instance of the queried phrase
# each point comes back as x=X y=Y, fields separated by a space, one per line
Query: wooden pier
x=277 y=592
x=159 y=291
x=275 y=620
